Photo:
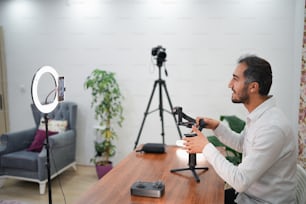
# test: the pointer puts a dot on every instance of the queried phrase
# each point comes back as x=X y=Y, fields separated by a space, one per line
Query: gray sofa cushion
x=17 y=160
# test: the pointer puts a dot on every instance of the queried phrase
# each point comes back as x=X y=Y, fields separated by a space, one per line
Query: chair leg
x=42 y=187
x=74 y=166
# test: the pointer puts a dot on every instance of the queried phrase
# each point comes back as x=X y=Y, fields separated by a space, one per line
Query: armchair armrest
x=59 y=140
x=62 y=139
x=62 y=151
x=11 y=142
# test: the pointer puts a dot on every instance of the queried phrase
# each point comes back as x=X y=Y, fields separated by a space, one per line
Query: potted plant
x=107 y=104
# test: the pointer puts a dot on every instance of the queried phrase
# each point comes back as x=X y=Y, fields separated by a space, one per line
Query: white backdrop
x=203 y=40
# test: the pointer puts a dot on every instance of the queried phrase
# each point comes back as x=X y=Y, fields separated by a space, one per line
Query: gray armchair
x=18 y=163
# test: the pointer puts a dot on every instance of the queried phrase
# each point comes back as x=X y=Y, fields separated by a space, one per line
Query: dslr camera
x=160 y=53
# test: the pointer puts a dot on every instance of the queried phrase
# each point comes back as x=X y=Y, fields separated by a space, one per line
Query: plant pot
x=103 y=169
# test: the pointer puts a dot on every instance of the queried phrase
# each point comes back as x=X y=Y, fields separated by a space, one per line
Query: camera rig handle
x=190 y=121
x=192 y=160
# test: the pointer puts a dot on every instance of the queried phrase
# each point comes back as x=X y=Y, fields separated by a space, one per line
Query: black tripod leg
x=201 y=168
x=195 y=175
x=170 y=104
x=182 y=169
x=161 y=109
x=145 y=114
x=192 y=162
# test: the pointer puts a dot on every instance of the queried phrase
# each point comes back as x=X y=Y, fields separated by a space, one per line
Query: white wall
x=203 y=39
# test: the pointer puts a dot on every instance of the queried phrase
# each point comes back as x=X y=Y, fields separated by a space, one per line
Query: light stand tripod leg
x=145 y=115
x=48 y=159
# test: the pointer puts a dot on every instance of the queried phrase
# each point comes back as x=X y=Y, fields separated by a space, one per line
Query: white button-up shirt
x=269 y=147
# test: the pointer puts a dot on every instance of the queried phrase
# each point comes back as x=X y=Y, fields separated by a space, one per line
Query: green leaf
x=107 y=105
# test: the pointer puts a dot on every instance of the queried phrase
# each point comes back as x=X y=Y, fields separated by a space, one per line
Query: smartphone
x=61 y=88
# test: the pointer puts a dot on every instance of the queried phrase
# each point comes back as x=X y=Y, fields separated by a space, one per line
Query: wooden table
x=180 y=187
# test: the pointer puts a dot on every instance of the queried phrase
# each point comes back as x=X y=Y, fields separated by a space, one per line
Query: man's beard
x=243 y=97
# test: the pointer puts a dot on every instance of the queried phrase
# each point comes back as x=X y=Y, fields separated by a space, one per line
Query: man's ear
x=254 y=87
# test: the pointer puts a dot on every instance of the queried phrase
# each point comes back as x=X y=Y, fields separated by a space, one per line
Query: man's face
x=237 y=84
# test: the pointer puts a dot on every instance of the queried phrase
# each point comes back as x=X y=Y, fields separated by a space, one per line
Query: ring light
x=44 y=108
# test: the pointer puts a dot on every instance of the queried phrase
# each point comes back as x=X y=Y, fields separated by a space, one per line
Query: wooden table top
x=180 y=187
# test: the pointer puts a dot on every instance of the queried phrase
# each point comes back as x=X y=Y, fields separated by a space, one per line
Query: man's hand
x=209 y=122
x=195 y=144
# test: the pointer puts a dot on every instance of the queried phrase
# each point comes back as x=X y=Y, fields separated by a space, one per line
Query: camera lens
x=155 y=50
x=159 y=51
x=161 y=54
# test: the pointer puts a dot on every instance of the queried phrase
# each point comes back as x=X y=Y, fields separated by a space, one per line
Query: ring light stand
x=45 y=108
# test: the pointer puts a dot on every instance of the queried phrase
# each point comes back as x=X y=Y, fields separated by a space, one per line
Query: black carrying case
x=153 y=148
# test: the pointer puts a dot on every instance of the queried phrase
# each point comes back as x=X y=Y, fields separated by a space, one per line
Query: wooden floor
x=73 y=183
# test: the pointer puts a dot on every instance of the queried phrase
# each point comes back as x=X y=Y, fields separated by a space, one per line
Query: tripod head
x=190 y=121
x=160 y=54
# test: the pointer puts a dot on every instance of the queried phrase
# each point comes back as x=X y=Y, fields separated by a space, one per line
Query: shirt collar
x=258 y=111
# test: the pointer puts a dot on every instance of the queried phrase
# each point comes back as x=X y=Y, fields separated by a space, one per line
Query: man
x=269 y=147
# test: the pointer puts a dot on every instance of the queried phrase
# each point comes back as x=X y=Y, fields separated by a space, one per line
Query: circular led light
x=44 y=108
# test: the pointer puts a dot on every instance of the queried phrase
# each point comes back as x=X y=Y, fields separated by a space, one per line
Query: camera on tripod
x=160 y=54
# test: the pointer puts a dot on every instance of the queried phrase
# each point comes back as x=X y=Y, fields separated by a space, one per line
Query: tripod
x=192 y=159
x=192 y=162
x=161 y=85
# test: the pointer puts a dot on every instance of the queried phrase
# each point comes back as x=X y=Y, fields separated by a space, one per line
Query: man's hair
x=258 y=70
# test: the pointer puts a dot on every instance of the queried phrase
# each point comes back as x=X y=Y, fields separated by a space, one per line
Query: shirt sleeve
x=267 y=142
x=229 y=137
